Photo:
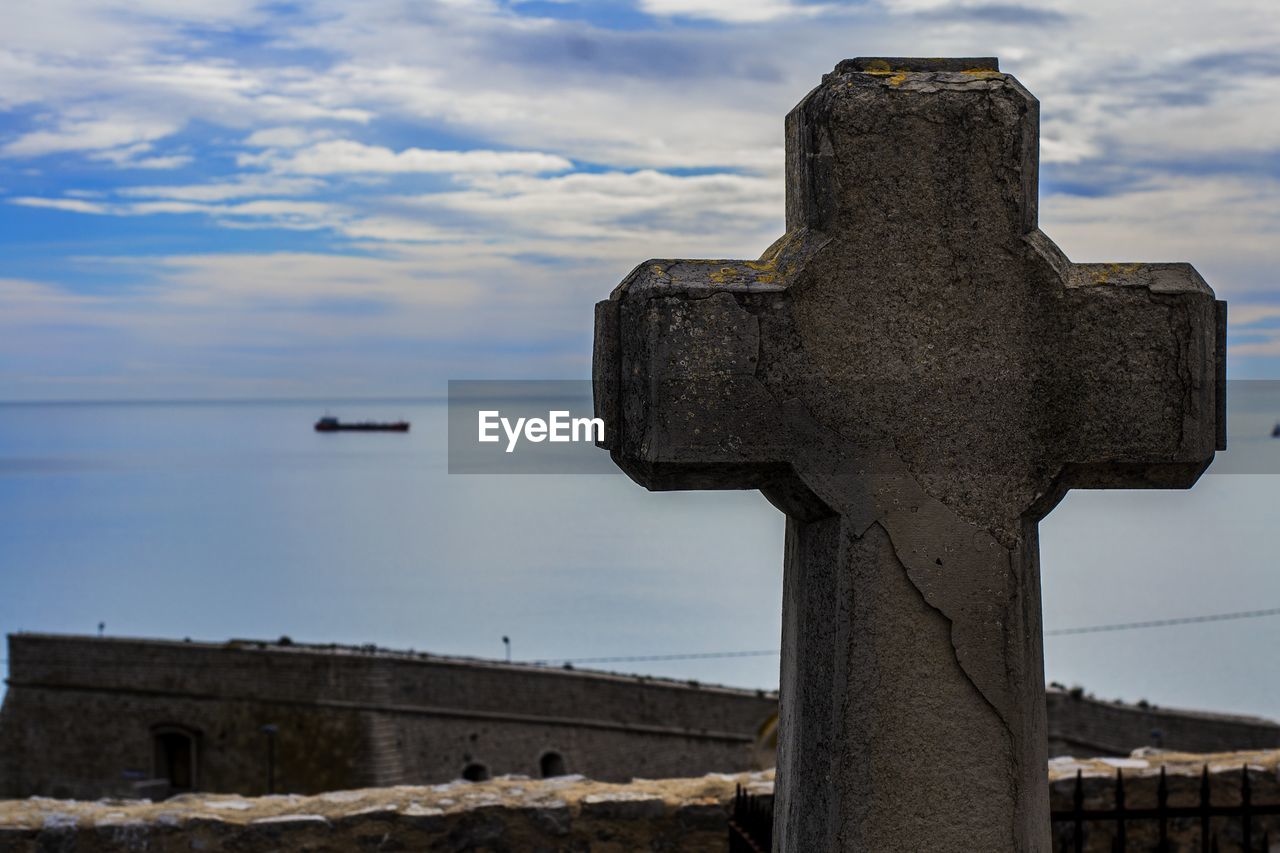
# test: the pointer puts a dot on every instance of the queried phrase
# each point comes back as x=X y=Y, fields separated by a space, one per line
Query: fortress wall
x=79 y=715
x=80 y=712
x=85 y=745
x=1081 y=726
x=438 y=750
x=243 y=670
x=483 y=686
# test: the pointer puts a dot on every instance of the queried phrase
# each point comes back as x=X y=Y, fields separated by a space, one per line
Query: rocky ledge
x=568 y=813
x=505 y=814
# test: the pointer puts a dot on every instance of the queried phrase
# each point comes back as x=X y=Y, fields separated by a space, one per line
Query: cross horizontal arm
x=1145 y=346
x=676 y=354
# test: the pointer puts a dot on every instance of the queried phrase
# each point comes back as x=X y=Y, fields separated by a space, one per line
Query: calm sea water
x=219 y=520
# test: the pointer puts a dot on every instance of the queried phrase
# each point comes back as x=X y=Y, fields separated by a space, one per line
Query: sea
x=235 y=519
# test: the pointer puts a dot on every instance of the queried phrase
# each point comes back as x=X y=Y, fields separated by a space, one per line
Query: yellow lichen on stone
x=881 y=68
x=1102 y=274
x=722 y=275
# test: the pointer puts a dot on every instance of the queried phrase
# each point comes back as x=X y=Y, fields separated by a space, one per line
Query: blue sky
x=272 y=199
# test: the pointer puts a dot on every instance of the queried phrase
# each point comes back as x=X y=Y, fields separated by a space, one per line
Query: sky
x=327 y=199
x=271 y=199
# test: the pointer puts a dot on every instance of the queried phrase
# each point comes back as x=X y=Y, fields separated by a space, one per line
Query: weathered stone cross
x=915 y=375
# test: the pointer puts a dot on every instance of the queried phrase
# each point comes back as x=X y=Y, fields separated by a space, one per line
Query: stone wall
x=573 y=814
x=80 y=713
x=1083 y=726
x=568 y=813
x=79 y=717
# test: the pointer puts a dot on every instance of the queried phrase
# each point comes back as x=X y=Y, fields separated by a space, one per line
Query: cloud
x=1227 y=225
x=1013 y=14
x=619 y=205
x=87 y=135
x=248 y=186
x=139 y=156
x=1241 y=316
x=26 y=303
x=518 y=163
x=344 y=156
x=282 y=137
x=1268 y=347
x=73 y=205
x=733 y=11
x=259 y=213
x=609 y=217
x=111 y=105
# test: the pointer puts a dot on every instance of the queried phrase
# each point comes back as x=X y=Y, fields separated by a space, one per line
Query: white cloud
x=87 y=135
x=619 y=205
x=613 y=216
x=1228 y=226
x=233 y=279
x=138 y=156
x=259 y=213
x=246 y=187
x=627 y=123
x=74 y=205
x=282 y=137
x=1268 y=347
x=357 y=97
x=343 y=156
x=1241 y=316
x=733 y=11
x=25 y=302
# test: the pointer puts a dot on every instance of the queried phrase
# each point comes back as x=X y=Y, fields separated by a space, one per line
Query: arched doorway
x=176 y=754
x=551 y=764
x=476 y=772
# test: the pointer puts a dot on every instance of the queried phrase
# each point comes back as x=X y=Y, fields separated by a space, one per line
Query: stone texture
x=507 y=815
x=915 y=375
x=570 y=814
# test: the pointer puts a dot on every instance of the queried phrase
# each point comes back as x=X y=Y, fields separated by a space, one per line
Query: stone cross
x=915 y=375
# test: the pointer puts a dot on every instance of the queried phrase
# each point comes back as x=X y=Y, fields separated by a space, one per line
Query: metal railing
x=751 y=822
x=1203 y=812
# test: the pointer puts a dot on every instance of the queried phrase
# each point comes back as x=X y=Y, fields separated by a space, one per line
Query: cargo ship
x=332 y=424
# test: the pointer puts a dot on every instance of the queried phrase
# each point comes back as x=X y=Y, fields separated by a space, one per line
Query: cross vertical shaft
x=879 y=723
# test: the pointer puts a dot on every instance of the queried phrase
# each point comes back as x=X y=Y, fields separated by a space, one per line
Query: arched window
x=176 y=751
x=476 y=772
x=551 y=764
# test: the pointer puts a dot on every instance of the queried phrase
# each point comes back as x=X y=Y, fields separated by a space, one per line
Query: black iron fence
x=751 y=824
x=1201 y=825
x=1250 y=838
